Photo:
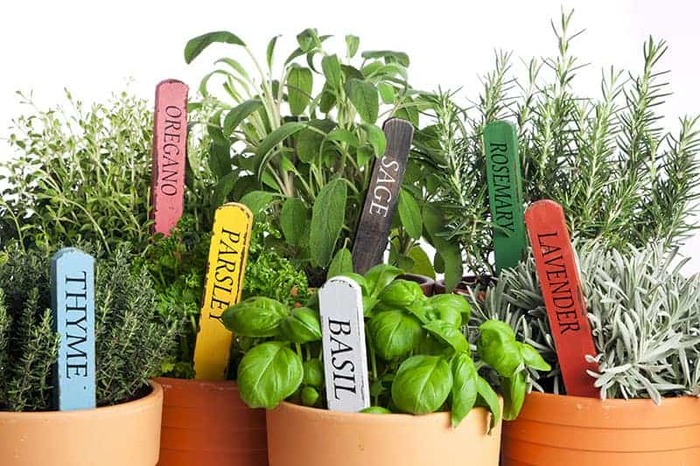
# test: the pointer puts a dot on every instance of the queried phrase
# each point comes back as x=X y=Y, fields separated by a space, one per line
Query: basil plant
x=420 y=360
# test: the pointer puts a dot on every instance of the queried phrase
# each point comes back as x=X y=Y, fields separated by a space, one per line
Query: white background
x=94 y=48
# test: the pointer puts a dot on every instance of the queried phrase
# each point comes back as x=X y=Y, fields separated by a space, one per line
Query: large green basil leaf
x=448 y=334
x=514 y=389
x=255 y=317
x=450 y=308
x=327 y=218
x=488 y=398
x=302 y=326
x=378 y=277
x=401 y=293
x=269 y=373
x=394 y=334
x=464 y=392
x=498 y=347
x=313 y=373
x=533 y=359
x=422 y=384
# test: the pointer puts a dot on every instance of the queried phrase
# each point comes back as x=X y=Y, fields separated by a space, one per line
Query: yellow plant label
x=223 y=286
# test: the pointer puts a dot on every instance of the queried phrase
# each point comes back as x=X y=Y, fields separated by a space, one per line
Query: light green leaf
x=394 y=334
x=365 y=98
x=376 y=138
x=464 y=391
x=299 y=85
x=294 y=221
x=332 y=71
x=410 y=216
x=353 y=43
x=269 y=373
x=271 y=50
x=387 y=93
x=341 y=264
x=449 y=334
x=488 y=398
x=327 y=218
x=239 y=113
x=389 y=56
x=271 y=140
x=258 y=201
x=343 y=135
x=421 y=262
x=422 y=384
x=197 y=45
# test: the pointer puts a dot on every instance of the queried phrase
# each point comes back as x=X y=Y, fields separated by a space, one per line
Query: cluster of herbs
x=619 y=175
x=131 y=342
x=420 y=360
x=644 y=315
x=296 y=141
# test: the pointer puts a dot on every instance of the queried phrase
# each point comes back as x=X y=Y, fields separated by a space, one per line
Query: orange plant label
x=228 y=251
x=561 y=288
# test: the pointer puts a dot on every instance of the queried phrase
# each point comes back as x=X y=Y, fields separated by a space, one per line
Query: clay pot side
x=207 y=423
x=574 y=431
x=120 y=435
x=301 y=436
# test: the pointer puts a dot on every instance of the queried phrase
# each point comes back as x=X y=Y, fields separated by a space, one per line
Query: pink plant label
x=169 y=155
x=561 y=289
x=344 y=347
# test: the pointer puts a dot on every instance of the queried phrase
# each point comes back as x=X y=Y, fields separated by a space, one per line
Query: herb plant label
x=561 y=289
x=73 y=305
x=505 y=193
x=344 y=348
x=169 y=153
x=382 y=196
x=224 y=283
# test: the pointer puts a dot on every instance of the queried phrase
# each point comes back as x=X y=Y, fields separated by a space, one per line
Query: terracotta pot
x=301 y=436
x=207 y=423
x=427 y=284
x=125 y=434
x=574 y=431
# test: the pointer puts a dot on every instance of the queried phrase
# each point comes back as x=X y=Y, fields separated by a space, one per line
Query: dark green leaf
x=365 y=153
x=310 y=139
x=450 y=252
x=498 y=347
x=341 y=264
x=294 y=221
x=197 y=45
x=220 y=159
x=271 y=50
x=410 y=216
x=421 y=262
x=327 y=101
x=223 y=188
x=422 y=384
x=308 y=39
x=327 y=218
x=464 y=391
x=267 y=374
x=488 y=398
x=238 y=114
x=299 y=85
x=352 y=43
x=365 y=98
x=351 y=72
x=255 y=317
x=332 y=71
x=376 y=138
x=394 y=334
x=448 y=334
x=343 y=135
x=258 y=201
x=302 y=326
x=271 y=140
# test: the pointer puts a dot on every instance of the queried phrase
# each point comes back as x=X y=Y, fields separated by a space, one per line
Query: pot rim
x=135 y=405
x=617 y=402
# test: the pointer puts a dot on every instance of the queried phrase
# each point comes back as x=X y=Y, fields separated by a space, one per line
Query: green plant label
x=373 y=228
x=561 y=289
x=73 y=305
x=169 y=155
x=228 y=251
x=505 y=193
x=344 y=347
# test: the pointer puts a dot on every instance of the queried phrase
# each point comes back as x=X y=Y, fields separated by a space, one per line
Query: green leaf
x=313 y=373
x=258 y=201
x=394 y=334
x=422 y=384
x=299 y=85
x=197 y=45
x=375 y=410
x=271 y=50
x=450 y=253
x=255 y=317
x=448 y=334
x=309 y=396
x=488 y=398
x=451 y=308
x=327 y=101
x=352 y=43
x=302 y=326
x=514 y=390
x=464 y=392
x=389 y=56
x=223 y=188
x=365 y=98
x=410 y=216
x=343 y=135
x=327 y=218
x=308 y=39
x=294 y=221
x=401 y=293
x=387 y=93
x=341 y=264
x=498 y=347
x=379 y=277
x=365 y=153
x=332 y=71
x=239 y=113
x=274 y=138
x=220 y=159
x=310 y=139
x=532 y=358
x=421 y=262
x=376 y=138
x=267 y=374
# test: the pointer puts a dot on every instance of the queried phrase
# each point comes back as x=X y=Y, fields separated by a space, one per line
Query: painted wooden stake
x=169 y=155
x=505 y=193
x=228 y=252
x=73 y=305
x=561 y=288
x=382 y=196
x=344 y=347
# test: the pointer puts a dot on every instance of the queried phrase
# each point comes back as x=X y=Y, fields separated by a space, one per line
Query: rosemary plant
x=609 y=160
x=644 y=315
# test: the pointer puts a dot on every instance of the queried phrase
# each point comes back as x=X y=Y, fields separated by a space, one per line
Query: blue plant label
x=73 y=304
x=344 y=347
